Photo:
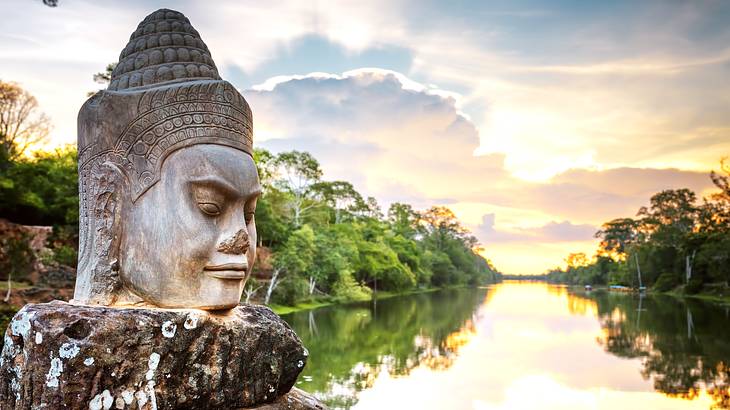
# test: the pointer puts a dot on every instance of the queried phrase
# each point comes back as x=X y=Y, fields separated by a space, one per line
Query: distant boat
x=619 y=288
x=588 y=287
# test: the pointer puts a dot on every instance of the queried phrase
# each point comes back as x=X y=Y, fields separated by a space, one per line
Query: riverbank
x=717 y=295
x=328 y=301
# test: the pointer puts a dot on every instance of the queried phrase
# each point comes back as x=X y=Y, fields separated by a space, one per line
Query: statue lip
x=227 y=270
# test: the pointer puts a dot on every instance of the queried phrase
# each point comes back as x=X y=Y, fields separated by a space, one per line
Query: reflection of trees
x=684 y=344
x=350 y=345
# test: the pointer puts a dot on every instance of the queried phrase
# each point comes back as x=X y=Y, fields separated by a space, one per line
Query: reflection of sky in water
x=528 y=347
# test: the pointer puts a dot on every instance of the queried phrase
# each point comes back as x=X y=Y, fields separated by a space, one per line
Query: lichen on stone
x=168 y=329
x=68 y=350
x=54 y=372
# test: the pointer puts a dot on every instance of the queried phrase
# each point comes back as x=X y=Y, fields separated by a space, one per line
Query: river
x=518 y=345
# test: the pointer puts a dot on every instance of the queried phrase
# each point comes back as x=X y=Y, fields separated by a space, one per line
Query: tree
x=297 y=173
x=41 y=190
x=671 y=215
x=21 y=122
x=295 y=258
x=714 y=213
x=265 y=166
x=670 y=219
x=440 y=224
x=576 y=260
x=616 y=236
x=103 y=77
x=722 y=181
x=341 y=196
x=403 y=219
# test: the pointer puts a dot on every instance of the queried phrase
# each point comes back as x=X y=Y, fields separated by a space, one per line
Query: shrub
x=16 y=257
x=346 y=288
x=290 y=291
x=666 y=282
x=694 y=286
x=65 y=255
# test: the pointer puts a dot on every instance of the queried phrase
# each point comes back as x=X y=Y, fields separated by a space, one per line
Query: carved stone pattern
x=175 y=117
x=99 y=192
x=164 y=48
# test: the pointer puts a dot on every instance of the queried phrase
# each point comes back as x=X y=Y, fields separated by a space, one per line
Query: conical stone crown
x=165 y=48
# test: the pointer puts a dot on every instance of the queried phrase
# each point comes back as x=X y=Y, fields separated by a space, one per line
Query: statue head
x=167 y=182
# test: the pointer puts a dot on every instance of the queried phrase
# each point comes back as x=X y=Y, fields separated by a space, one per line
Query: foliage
x=346 y=288
x=103 y=77
x=41 y=190
x=290 y=291
x=325 y=235
x=666 y=282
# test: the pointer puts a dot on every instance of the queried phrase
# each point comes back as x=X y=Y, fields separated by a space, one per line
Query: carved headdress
x=164 y=80
x=165 y=94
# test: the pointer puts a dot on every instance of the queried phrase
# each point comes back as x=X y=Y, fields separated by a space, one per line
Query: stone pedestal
x=58 y=355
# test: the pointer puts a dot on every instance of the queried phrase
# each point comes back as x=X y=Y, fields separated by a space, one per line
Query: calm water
x=518 y=346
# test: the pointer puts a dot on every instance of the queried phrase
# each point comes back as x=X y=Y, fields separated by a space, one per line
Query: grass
x=308 y=305
x=709 y=298
x=15 y=285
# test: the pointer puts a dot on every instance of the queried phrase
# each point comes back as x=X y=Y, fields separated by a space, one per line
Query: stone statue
x=167 y=182
x=168 y=189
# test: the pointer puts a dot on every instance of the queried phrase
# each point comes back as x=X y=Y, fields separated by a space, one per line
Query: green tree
x=41 y=190
x=342 y=197
x=296 y=173
x=403 y=219
x=294 y=259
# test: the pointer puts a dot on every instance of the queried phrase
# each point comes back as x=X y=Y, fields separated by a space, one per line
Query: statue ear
x=105 y=202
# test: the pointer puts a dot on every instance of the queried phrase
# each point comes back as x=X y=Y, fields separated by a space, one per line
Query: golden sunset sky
x=535 y=121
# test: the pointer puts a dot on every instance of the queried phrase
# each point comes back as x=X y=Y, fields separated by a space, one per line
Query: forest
x=675 y=243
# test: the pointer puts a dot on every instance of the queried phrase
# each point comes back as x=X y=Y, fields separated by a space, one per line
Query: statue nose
x=235 y=245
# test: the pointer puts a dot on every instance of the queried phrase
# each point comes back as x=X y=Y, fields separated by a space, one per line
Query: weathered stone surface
x=167 y=180
x=58 y=355
x=296 y=399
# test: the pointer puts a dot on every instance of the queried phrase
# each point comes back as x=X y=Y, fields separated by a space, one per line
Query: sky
x=534 y=121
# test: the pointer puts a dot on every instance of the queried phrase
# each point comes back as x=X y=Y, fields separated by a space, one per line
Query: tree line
x=677 y=242
x=327 y=239
x=319 y=238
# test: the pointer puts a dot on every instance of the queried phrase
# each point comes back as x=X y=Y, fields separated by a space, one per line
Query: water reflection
x=351 y=345
x=683 y=345
x=518 y=346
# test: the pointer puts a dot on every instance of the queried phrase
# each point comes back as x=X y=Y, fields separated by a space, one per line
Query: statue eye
x=209 y=208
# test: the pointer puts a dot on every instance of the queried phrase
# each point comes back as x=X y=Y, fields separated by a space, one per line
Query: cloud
x=552 y=231
x=376 y=127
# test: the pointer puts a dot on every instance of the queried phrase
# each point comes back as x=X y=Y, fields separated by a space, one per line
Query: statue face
x=190 y=240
